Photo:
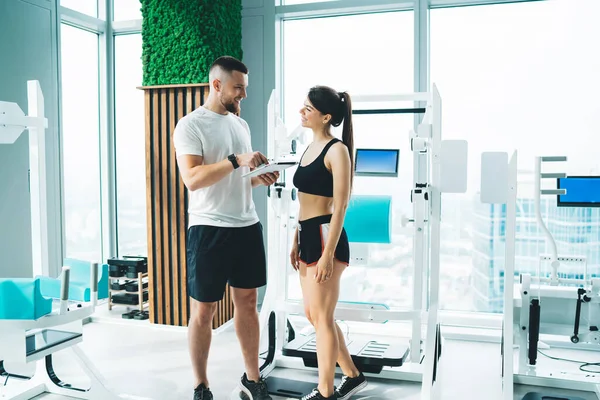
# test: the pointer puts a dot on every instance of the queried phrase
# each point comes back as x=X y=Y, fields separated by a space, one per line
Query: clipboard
x=272 y=167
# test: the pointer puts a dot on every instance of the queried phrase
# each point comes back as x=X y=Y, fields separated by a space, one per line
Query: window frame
x=107 y=30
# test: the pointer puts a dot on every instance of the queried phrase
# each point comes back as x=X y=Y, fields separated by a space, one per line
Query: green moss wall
x=181 y=38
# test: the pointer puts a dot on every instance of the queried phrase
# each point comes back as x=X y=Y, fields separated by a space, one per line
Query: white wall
x=28 y=50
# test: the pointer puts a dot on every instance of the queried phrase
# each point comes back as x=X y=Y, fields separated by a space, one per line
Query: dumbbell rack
x=140 y=280
x=124 y=274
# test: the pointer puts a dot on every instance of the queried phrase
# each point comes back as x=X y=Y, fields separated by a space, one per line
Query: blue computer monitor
x=582 y=191
x=376 y=162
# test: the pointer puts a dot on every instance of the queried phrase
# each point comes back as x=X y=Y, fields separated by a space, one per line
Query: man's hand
x=252 y=160
x=269 y=178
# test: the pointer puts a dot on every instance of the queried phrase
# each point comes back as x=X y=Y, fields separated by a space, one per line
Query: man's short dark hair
x=229 y=64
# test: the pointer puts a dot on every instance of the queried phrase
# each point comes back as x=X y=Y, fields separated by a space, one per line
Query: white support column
x=430 y=383
x=419 y=266
x=37 y=180
x=509 y=268
x=436 y=200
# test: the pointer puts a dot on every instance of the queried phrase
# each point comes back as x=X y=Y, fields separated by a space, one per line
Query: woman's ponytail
x=347 y=132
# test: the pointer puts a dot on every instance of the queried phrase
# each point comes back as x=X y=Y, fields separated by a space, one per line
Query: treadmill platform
x=369 y=355
x=288 y=388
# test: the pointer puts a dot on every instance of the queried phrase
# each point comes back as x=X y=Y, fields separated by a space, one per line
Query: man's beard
x=231 y=106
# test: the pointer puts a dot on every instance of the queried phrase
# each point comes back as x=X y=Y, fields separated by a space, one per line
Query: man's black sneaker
x=350 y=386
x=202 y=393
x=316 y=395
x=254 y=390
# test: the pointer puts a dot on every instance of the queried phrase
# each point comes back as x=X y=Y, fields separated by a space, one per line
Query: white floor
x=146 y=362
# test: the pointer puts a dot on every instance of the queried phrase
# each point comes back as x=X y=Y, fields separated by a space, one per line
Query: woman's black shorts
x=312 y=238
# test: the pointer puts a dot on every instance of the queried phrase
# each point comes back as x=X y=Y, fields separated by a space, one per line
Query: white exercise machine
x=34 y=327
x=439 y=166
x=33 y=330
x=556 y=308
x=13 y=122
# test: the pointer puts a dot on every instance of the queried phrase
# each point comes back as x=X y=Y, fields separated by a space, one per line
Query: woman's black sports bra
x=315 y=178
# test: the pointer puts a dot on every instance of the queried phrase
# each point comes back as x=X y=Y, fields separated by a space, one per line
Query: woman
x=320 y=250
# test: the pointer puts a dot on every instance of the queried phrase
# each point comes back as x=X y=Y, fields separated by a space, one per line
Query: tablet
x=265 y=168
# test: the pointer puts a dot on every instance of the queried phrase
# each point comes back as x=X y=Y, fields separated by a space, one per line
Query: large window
x=130 y=148
x=80 y=143
x=88 y=7
x=507 y=83
x=375 y=59
x=127 y=9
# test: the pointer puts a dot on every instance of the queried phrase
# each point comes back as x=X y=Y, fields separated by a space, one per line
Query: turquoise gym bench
x=79 y=283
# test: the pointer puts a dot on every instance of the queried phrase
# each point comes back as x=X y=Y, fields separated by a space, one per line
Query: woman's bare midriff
x=313 y=206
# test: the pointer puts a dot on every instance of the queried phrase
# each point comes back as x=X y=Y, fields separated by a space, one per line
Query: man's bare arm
x=196 y=176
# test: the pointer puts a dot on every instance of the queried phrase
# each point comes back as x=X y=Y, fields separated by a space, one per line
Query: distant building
x=575 y=230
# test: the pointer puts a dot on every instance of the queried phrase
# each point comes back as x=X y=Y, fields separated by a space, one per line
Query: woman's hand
x=295 y=257
x=324 y=268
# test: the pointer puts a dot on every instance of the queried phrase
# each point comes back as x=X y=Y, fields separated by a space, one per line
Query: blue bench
x=79 y=282
x=22 y=298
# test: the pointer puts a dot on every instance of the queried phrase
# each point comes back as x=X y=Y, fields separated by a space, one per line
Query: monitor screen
x=376 y=162
x=582 y=191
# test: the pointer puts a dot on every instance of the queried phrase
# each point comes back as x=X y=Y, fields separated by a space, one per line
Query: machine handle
x=534 y=330
x=94 y=283
x=64 y=289
x=575 y=337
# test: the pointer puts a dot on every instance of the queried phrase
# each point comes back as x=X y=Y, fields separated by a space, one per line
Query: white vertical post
x=509 y=270
x=282 y=264
x=436 y=200
x=37 y=180
x=419 y=265
x=434 y=216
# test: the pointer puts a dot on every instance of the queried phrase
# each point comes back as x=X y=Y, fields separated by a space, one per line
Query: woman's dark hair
x=339 y=106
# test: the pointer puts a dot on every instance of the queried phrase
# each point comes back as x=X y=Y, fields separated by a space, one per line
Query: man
x=224 y=238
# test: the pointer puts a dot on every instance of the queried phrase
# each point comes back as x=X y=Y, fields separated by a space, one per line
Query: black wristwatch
x=233 y=160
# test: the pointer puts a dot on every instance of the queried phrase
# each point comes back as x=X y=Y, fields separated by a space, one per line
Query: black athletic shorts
x=312 y=238
x=217 y=255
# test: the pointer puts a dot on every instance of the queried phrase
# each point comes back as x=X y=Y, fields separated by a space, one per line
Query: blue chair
x=22 y=299
x=79 y=282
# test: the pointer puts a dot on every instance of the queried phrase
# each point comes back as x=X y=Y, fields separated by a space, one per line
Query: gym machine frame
x=525 y=303
x=420 y=361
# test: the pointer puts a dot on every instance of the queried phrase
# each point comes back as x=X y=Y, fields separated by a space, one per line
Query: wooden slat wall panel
x=156 y=205
x=149 y=202
x=182 y=224
x=166 y=197
x=173 y=217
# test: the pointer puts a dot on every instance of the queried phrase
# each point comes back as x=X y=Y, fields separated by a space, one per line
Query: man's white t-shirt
x=214 y=136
